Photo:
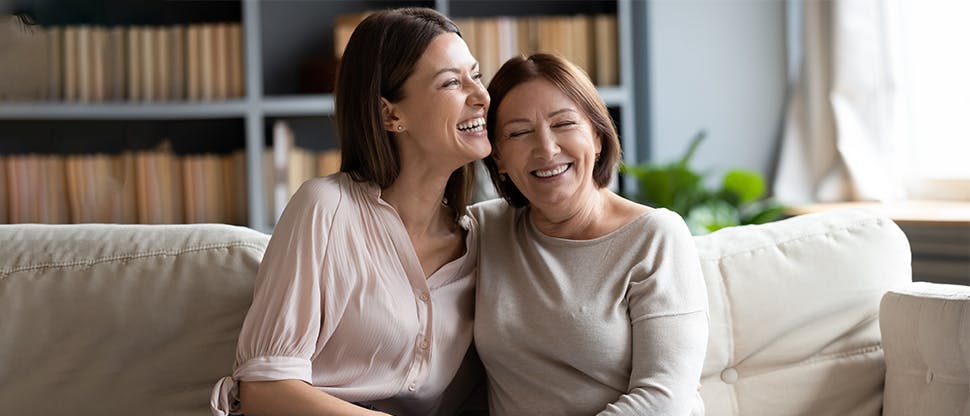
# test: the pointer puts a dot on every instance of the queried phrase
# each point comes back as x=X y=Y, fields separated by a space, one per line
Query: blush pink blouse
x=342 y=303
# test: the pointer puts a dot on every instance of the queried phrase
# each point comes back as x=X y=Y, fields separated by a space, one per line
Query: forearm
x=668 y=355
x=293 y=398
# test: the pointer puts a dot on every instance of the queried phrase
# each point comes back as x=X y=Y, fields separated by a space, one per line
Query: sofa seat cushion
x=794 y=314
x=121 y=319
x=926 y=335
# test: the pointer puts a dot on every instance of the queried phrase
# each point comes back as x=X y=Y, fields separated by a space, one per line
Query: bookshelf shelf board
x=123 y=110
x=298 y=105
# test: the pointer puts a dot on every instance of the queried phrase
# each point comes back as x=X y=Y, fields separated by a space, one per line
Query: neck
x=417 y=196
x=578 y=221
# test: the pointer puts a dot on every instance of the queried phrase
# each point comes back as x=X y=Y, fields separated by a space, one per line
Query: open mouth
x=473 y=125
x=548 y=173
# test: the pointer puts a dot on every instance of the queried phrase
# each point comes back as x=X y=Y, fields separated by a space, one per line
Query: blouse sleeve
x=283 y=326
x=667 y=301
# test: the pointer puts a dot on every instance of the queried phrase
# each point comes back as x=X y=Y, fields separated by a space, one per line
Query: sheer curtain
x=844 y=132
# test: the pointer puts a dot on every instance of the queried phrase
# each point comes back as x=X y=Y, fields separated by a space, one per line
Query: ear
x=390 y=116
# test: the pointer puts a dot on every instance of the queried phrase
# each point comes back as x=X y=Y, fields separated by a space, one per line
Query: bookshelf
x=277 y=37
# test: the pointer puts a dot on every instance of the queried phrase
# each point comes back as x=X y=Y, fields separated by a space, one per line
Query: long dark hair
x=380 y=56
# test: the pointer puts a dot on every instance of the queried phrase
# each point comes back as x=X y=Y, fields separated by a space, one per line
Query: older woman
x=587 y=303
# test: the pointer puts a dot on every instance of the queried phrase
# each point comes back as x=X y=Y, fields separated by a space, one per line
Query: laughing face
x=442 y=114
x=546 y=145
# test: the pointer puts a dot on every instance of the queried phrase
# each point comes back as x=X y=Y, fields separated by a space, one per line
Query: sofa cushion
x=793 y=308
x=121 y=319
x=926 y=335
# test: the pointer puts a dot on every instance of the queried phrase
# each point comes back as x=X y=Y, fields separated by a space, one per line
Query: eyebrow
x=454 y=70
x=552 y=114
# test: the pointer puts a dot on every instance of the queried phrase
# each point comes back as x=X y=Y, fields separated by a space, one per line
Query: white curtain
x=842 y=131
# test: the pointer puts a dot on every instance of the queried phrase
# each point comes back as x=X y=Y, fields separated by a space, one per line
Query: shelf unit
x=258 y=105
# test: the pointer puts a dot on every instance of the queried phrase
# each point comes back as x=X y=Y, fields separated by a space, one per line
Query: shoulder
x=322 y=199
x=490 y=211
x=662 y=223
x=327 y=193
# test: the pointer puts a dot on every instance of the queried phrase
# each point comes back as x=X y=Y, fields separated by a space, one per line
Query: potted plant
x=676 y=186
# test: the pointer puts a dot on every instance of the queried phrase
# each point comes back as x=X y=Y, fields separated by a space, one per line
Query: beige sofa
x=135 y=319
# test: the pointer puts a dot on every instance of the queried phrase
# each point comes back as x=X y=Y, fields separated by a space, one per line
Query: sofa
x=812 y=315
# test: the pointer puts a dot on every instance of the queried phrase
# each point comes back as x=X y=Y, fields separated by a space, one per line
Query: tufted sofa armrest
x=794 y=310
x=926 y=338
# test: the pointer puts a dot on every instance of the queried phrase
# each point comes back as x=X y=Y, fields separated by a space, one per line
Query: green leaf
x=692 y=148
x=712 y=216
x=763 y=212
x=746 y=184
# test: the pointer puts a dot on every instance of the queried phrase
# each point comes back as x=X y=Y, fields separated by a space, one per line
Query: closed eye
x=564 y=124
x=518 y=133
x=450 y=83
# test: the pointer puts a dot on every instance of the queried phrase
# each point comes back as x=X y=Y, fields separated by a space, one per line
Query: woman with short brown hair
x=587 y=303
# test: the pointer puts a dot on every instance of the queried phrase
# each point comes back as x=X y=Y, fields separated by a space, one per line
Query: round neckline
x=542 y=237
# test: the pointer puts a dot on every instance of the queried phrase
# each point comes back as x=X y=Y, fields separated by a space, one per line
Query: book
x=161 y=64
x=343 y=28
x=220 y=61
x=176 y=62
x=193 y=64
x=235 y=62
x=133 y=63
x=55 y=63
x=147 y=65
x=487 y=47
x=99 y=63
x=27 y=80
x=581 y=32
x=85 y=63
x=282 y=144
x=117 y=77
x=54 y=190
x=328 y=162
x=607 y=67
x=207 y=62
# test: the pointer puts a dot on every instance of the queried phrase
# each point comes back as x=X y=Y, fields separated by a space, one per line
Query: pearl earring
x=400 y=128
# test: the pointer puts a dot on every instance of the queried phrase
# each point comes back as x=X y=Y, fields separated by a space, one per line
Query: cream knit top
x=616 y=325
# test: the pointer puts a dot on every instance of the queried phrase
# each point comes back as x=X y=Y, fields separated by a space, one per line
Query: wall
x=719 y=65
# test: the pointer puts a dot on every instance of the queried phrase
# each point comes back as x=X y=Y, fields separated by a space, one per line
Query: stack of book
x=136 y=63
x=150 y=187
x=589 y=41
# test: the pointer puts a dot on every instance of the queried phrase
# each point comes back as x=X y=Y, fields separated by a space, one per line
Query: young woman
x=587 y=303
x=364 y=297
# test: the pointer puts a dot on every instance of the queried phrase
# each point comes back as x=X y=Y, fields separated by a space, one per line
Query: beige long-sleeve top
x=615 y=325
x=342 y=303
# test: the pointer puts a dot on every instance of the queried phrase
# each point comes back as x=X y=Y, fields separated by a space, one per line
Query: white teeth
x=477 y=124
x=551 y=172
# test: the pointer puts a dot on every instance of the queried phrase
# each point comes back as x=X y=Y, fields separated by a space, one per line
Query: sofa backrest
x=794 y=314
x=168 y=302
x=793 y=309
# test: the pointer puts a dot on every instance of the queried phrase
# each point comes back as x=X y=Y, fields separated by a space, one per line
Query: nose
x=478 y=96
x=546 y=145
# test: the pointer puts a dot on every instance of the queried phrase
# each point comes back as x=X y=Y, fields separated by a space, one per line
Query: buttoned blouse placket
x=423 y=301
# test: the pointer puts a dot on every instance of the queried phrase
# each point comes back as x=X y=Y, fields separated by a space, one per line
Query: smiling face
x=546 y=145
x=441 y=119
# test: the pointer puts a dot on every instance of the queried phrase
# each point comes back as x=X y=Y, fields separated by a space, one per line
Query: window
x=935 y=86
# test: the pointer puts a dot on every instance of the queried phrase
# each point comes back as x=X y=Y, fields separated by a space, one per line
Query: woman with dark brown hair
x=364 y=297
x=587 y=303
